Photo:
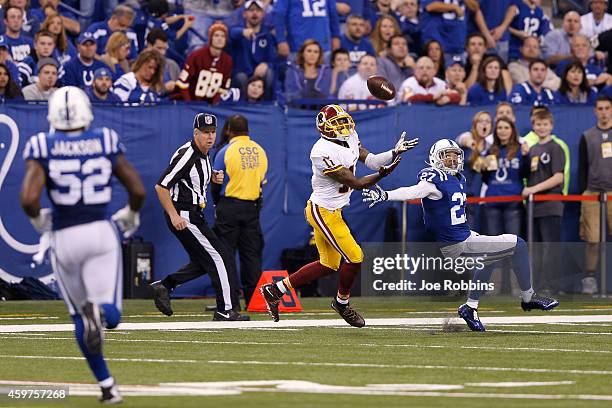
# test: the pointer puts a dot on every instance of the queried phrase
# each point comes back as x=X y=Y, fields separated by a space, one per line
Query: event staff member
x=237 y=213
x=181 y=190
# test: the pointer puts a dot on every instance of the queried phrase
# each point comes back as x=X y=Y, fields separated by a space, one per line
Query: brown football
x=381 y=88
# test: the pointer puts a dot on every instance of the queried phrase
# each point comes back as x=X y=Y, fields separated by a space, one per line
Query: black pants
x=237 y=225
x=547 y=232
x=207 y=254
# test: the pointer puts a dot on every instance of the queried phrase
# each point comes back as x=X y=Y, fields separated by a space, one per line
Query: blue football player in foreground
x=441 y=188
x=76 y=163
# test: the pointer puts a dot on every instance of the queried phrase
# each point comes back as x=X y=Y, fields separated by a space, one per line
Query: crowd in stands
x=464 y=52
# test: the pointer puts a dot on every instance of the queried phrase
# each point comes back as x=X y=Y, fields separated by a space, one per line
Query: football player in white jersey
x=76 y=163
x=334 y=158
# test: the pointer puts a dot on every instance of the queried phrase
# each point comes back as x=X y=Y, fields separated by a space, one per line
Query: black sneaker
x=92 y=328
x=540 y=303
x=161 y=297
x=110 y=395
x=272 y=295
x=230 y=316
x=348 y=314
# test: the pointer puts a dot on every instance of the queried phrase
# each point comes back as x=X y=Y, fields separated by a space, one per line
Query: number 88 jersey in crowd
x=445 y=216
x=78 y=170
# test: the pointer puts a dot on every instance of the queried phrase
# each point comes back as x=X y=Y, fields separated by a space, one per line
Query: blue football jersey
x=446 y=28
x=78 y=170
x=532 y=22
x=445 y=218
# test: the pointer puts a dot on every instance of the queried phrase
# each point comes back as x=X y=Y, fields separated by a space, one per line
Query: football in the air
x=381 y=88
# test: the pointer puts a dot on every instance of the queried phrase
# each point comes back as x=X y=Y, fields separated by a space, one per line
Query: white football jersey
x=326 y=157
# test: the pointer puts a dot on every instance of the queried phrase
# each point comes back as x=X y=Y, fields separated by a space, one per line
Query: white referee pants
x=87 y=263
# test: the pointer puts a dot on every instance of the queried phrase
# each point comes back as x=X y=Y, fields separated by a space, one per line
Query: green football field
x=409 y=355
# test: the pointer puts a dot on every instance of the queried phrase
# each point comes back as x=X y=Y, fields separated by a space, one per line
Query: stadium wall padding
x=152 y=133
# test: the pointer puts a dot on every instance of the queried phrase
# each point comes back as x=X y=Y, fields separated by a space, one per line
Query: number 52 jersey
x=78 y=169
x=445 y=217
x=327 y=157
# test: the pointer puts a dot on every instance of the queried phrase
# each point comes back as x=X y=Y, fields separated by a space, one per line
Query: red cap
x=216 y=27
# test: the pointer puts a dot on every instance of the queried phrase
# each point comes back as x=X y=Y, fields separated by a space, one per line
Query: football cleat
x=540 y=303
x=350 y=315
x=589 y=285
x=470 y=316
x=272 y=295
x=92 y=328
x=161 y=297
x=110 y=395
x=230 y=316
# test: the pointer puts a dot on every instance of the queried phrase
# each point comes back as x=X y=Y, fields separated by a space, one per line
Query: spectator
x=505 y=110
x=356 y=87
x=433 y=50
x=50 y=8
x=80 y=70
x=547 y=162
x=64 y=49
x=445 y=22
x=556 y=44
x=597 y=21
x=100 y=91
x=455 y=74
x=529 y=21
x=145 y=83
x=603 y=44
x=425 y=87
x=9 y=90
x=341 y=65
x=594 y=177
x=581 y=50
x=19 y=45
x=397 y=65
x=575 y=88
x=296 y=22
x=357 y=7
x=489 y=87
x=159 y=19
x=519 y=69
x=379 y=8
x=121 y=20
x=47 y=79
x=475 y=48
x=408 y=16
x=386 y=27
x=206 y=13
x=210 y=63
x=5 y=58
x=31 y=24
x=158 y=40
x=607 y=91
x=308 y=78
x=88 y=9
x=532 y=92
x=253 y=48
x=354 y=41
x=254 y=90
x=117 y=50
x=44 y=47
x=498 y=15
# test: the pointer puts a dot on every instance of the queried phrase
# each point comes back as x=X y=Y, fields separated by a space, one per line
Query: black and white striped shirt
x=188 y=175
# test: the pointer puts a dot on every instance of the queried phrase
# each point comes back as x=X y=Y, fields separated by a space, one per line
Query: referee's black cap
x=204 y=121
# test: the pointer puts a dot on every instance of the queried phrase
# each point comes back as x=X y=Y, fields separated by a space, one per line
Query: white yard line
x=237 y=342
x=497 y=348
x=29 y=318
x=169 y=325
x=127 y=360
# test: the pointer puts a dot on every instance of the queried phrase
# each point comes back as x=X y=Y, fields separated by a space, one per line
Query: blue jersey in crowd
x=79 y=74
x=101 y=33
x=19 y=48
x=445 y=218
x=507 y=180
x=584 y=99
x=493 y=12
x=78 y=170
x=525 y=94
x=248 y=53
x=447 y=28
x=14 y=70
x=532 y=22
x=128 y=89
x=592 y=69
x=478 y=95
x=357 y=49
x=295 y=21
x=67 y=55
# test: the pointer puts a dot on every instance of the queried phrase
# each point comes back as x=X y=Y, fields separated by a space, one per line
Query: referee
x=237 y=212
x=181 y=190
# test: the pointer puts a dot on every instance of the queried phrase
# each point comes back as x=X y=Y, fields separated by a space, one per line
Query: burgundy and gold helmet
x=334 y=123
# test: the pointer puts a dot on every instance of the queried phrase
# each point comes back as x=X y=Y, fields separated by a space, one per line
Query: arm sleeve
x=184 y=76
x=558 y=160
x=180 y=164
x=122 y=89
x=421 y=190
x=280 y=15
x=583 y=165
x=376 y=161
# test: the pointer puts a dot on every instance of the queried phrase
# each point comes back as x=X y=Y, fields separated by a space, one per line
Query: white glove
x=403 y=146
x=127 y=220
x=375 y=196
x=43 y=246
x=43 y=222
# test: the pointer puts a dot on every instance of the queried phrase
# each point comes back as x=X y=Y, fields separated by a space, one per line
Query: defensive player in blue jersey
x=441 y=188
x=76 y=163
